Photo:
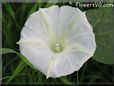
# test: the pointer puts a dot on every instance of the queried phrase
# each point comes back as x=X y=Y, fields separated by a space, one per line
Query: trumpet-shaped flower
x=57 y=40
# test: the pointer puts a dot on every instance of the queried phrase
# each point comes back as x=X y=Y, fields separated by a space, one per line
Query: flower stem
x=77 y=78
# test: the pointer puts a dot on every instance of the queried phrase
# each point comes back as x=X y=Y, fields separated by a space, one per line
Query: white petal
x=62 y=66
x=86 y=42
x=51 y=16
x=80 y=26
x=32 y=37
x=38 y=56
x=73 y=21
x=78 y=58
x=34 y=27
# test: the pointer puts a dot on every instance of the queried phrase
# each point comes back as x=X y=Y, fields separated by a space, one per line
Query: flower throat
x=57 y=47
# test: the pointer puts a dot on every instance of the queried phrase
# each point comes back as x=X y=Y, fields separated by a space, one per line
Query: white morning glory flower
x=57 y=40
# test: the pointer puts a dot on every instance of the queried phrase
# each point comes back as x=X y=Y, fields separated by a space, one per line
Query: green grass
x=13 y=17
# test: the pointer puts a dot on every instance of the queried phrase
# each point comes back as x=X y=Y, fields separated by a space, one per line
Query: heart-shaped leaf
x=102 y=20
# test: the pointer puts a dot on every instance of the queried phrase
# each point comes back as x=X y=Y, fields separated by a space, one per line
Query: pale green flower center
x=57 y=48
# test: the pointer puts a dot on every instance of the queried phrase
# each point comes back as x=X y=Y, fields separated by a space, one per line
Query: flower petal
x=52 y=16
x=85 y=42
x=62 y=66
x=73 y=21
x=78 y=58
x=38 y=56
x=80 y=26
x=34 y=27
x=30 y=36
x=82 y=48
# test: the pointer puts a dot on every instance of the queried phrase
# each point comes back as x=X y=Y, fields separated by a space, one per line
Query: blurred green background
x=14 y=16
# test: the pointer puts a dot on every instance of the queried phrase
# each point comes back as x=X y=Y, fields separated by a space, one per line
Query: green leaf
x=19 y=68
x=6 y=50
x=66 y=81
x=11 y=12
x=33 y=9
x=51 y=2
x=21 y=65
x=102 y=20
